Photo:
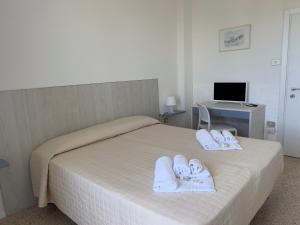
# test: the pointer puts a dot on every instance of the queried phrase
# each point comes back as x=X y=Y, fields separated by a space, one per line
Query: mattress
x=110 y=181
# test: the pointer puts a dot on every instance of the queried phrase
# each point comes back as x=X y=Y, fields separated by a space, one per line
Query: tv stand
x=249 y=121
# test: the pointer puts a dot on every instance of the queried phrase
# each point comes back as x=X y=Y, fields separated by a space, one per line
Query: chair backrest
x=203 y=116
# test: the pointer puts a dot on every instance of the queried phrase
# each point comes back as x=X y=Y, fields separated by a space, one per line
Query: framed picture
x=235 y=38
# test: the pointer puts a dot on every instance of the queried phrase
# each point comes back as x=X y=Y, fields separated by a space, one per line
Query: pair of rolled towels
x=167 y=171
x=216 y=140
x=224 y=136
x=185 y=169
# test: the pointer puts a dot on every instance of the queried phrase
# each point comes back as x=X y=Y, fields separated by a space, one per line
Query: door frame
x=283 y=80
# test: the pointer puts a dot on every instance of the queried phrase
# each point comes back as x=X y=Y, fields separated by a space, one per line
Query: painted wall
x=254 y=65
x=64 y=42
x=291 y=4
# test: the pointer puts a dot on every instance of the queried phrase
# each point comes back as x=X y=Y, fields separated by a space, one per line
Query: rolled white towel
x=181 y=166
x=229 y=137
x=196 y=166
x=203 y=174
x=206 y=140
x=233 y=143
x=164 y=177
x=198 y=169
x=217 y=136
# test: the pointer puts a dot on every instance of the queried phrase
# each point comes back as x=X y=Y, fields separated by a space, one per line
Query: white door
x=292 y=109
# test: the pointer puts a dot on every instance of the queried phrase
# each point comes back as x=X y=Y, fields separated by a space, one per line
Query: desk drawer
x=229 y=114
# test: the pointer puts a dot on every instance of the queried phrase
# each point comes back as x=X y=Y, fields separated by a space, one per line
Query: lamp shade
x=171 y=101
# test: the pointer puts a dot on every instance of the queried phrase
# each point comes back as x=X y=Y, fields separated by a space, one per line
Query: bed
x=104 y=175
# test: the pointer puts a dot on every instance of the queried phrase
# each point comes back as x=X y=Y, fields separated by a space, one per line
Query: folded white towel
x=198 y=185
x=206 y=140
x=164 y=177
x=181 y=167
x=165 y=180
x=229 y=137
x=234 y=146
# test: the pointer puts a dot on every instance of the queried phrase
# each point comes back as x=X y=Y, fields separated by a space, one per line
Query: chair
x=205 y=121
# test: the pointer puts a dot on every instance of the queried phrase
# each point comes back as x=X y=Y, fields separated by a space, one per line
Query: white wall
x=64 y=42
x=291 y=4
x=254 y=65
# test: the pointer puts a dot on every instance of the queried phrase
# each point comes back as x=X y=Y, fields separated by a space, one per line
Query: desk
x=249 y=121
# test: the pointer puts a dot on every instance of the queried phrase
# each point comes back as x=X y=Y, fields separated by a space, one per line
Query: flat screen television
x=231 y=92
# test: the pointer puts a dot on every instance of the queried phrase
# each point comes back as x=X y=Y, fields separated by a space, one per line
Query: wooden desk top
x=232 y=106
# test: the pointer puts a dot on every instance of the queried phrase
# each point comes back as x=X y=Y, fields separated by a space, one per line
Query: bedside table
x=164 y=118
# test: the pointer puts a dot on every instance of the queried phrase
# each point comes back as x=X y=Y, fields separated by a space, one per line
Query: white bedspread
x=110 y=182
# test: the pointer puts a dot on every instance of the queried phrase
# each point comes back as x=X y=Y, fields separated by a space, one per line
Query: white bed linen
x=110 y=182
x=101 y=184
x=41 y=157
x=263 y=158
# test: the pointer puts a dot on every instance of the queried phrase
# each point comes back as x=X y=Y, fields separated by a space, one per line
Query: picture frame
x=235 y=38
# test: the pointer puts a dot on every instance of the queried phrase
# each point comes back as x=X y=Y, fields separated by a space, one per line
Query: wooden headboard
x=30 y=117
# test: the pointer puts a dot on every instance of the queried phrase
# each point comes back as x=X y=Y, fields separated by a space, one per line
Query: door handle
x=295 y=89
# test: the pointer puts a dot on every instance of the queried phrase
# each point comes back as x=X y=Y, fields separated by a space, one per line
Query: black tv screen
x=233 y=92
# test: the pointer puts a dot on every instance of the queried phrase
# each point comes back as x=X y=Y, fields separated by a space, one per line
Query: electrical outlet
x=276 y=62
x=271 y=127
x=271 y=124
